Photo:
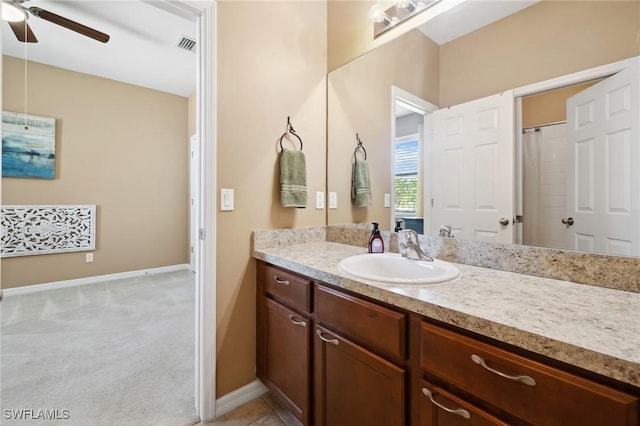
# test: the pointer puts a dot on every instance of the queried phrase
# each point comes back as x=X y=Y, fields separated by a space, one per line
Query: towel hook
x=291 y=131
x=359 y=147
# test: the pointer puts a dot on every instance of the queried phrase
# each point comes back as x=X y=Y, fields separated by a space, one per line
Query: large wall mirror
x=388 y=97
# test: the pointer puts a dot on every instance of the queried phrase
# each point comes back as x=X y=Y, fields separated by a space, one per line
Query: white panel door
x=473 y=169
x=604 y=165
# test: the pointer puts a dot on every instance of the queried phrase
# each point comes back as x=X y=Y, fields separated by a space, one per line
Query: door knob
x=503 y=221
x=568 y=221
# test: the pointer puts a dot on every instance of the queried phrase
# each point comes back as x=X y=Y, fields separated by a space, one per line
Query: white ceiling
x=469 y=16
x=142 y=49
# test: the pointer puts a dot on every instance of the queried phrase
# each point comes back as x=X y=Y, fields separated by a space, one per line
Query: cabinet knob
x=457 y=411
x=522 y=378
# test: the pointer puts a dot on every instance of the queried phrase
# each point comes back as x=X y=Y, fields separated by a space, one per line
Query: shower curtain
x=545 y=156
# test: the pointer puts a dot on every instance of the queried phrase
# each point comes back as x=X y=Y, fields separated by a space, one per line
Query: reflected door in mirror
x=604 y=153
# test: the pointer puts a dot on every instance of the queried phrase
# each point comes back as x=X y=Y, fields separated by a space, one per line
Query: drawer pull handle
x=279 y=281
x=524 y=379
x=458 y=411
x=297 y=321
x=324 y=339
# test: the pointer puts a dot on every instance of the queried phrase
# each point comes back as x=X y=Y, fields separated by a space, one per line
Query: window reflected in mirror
x=408 y=169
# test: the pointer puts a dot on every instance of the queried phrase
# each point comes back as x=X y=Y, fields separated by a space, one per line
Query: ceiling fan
x=16 y=14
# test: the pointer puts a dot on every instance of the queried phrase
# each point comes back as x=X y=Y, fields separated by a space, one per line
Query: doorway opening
x=203 y=17
x=409 y=160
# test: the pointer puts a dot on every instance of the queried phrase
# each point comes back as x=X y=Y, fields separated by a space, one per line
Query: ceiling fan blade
x=23 y=32
x=69 y=24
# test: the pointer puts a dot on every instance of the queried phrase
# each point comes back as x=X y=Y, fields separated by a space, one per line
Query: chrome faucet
x=445 y=231
x=411 y=242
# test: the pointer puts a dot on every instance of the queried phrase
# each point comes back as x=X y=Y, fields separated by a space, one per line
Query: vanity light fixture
x=400 y=11
x=410 y=5
x=12 y=12
x=378 y=15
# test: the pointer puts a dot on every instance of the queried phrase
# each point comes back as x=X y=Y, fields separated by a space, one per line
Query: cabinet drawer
x=439 y=407
x=380 y=328
x=292 y=290
x=534 y=392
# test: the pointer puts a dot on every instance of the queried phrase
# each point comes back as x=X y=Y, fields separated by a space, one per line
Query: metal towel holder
x=360 y=147
x=290 y=130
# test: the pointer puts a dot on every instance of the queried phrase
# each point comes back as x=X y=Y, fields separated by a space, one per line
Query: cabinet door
x=285 y=369
x=354 y=386
x=440 y=408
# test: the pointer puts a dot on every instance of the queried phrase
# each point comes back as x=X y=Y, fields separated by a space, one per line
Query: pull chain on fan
x=26 y=82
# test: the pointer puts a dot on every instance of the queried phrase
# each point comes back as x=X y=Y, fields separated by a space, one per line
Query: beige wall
x=547 y=40
x=121 y=147
x=549 y=107
x=350 y=32
x=268 y=69
x=359 y=101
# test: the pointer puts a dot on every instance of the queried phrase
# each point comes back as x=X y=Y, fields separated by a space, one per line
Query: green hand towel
x=360 y=183
x=293 y=179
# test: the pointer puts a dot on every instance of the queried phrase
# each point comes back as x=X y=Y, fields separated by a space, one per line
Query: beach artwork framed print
x=28 y=146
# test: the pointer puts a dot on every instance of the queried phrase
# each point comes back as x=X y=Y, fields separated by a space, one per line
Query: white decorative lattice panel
x=29 y=230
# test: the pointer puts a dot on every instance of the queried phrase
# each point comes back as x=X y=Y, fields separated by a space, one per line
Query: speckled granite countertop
x=594 y=328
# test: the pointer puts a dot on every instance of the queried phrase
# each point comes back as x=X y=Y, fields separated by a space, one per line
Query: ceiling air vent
x=187 y=43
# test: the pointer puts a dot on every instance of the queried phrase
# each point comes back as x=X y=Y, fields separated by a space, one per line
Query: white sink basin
x=392 y=268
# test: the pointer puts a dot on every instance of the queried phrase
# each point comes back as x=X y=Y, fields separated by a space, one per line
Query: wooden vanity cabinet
x=358 y=348
x=336 y=359
x=284 y=338
x=359 y=373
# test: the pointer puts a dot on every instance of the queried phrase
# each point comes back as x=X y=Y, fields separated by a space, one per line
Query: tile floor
x=263 y=411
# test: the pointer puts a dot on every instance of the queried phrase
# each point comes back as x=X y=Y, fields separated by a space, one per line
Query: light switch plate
x=319 y=200
x=387 y=200
x=226 y=199
x=333 y=200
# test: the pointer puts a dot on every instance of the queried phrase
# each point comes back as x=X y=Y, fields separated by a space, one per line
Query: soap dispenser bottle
x=376 y=243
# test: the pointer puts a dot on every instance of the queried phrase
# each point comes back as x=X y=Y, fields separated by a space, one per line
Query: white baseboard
x=91 y=280
x=239 y=396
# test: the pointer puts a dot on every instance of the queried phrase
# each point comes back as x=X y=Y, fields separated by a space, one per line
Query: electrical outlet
x=89 y=257
x=387 y=200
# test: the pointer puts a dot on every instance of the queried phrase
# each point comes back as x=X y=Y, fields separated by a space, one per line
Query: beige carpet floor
x=115 y=353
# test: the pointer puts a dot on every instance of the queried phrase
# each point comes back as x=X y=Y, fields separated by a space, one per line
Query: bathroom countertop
x=594 y=328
